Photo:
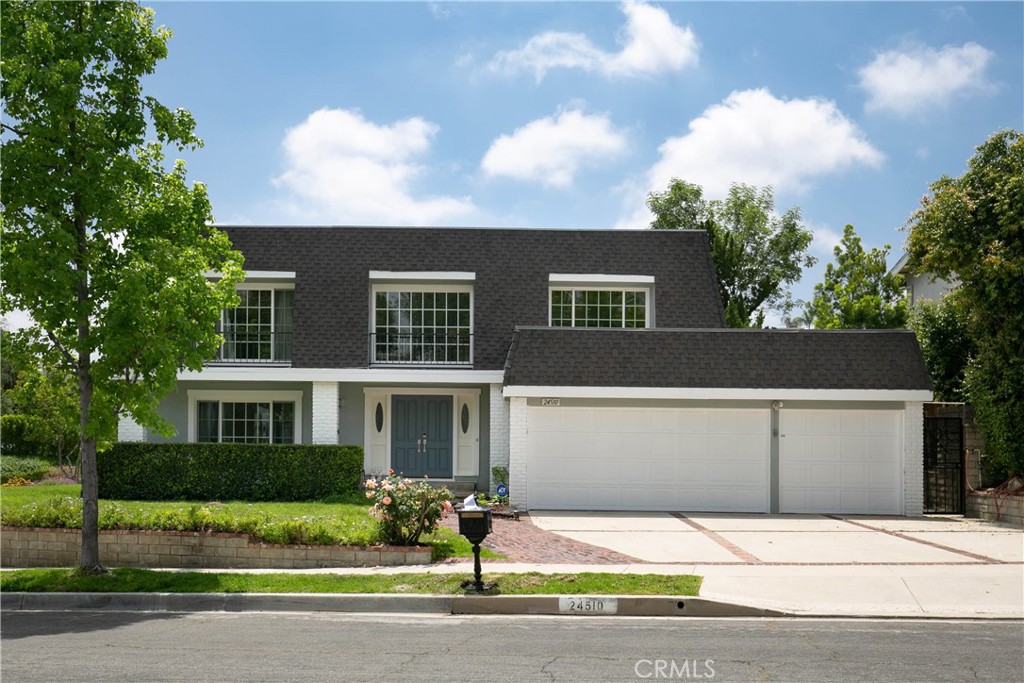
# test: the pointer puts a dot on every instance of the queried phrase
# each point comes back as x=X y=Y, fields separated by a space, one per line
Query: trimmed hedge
x=227 y=471
x=18 y=436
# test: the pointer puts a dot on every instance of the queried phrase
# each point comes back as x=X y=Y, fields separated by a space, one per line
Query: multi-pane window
x=425 y=327
x=260 y=327
x=245 y=422
x=599 y=308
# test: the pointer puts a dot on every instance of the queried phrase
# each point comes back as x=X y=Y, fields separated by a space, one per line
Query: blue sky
x=568 y=114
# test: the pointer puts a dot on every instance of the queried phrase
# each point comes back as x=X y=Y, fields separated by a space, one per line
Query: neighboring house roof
x=511 y=266
x=717 y=358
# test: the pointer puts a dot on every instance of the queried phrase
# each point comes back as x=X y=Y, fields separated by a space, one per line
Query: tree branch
x=63 y=349
x=4 y=126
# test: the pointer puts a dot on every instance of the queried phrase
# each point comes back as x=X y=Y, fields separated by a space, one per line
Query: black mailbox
x=475 y=524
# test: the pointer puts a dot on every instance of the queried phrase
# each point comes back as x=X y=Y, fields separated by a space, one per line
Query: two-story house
x=594 y=364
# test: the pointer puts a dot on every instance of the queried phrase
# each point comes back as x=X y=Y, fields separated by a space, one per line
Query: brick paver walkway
x=523 y=541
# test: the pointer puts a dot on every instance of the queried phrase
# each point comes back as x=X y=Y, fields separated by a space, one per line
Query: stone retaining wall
x=23 y=547
x=983 y=506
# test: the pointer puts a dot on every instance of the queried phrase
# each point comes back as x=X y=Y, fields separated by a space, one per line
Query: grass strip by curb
x=126 y=580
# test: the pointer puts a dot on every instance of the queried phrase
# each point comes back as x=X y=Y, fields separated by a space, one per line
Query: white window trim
x=599 y=279
x=255 y=275
x=421 y=288
x=265 y=285
x=197 y=395
x=422 y=275
x=648 y=305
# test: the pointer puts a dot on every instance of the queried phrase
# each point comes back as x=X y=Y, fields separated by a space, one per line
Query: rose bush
x=406 y=509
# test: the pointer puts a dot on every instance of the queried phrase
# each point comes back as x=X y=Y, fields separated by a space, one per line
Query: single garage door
x=670 y=459
x=843 y=461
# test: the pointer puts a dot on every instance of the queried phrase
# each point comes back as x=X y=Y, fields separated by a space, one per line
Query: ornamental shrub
x=21 y=436
x=31 y=469
x=225 y=471
x=406 y=509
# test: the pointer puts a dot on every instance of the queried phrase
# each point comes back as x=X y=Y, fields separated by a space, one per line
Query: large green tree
x=757 y=254
x=946 y=344
x=857 y=291
x=104 y=244
x=971 y=229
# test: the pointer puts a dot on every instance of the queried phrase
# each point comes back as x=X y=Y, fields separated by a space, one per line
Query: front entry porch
x=422 y=432
x=421 y=436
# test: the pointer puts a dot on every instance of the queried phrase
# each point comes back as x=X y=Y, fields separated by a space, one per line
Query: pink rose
x=369 y=494
x=371 y=484
x=387 y=500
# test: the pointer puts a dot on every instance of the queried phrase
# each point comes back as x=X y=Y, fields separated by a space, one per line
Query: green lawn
x=149 y=581
x=313 y=523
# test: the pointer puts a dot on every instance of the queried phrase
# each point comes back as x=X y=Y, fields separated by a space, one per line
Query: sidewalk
x=907 y=591
x=752 y=565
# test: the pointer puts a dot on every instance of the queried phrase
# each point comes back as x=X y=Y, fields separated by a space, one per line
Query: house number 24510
x=572 y=604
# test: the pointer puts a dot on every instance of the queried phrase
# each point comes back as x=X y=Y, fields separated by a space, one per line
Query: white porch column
x=517 y=430
x=325 y=412
x=913 y=458
x=498 y=431
x=130 y=430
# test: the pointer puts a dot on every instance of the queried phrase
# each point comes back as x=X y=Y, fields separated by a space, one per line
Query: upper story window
x=422 y=323
x=601 y=301
x=259 y=329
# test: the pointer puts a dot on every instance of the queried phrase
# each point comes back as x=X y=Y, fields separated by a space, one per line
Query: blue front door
x=421 y=436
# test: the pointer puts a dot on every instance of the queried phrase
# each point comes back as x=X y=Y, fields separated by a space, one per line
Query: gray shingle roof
x=717 y=358
x=331 y=315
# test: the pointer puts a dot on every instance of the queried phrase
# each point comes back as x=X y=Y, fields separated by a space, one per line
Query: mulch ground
x=522 y=541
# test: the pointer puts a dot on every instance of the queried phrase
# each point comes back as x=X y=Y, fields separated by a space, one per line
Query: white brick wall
x=913 y=459
x=130 y=430
x=325 y=412
x=498 y=430
x=517 y=452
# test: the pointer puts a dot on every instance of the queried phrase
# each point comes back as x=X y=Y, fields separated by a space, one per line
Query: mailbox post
x=475 y=525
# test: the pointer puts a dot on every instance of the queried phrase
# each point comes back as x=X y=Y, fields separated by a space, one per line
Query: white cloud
x=342 y=168
x=825 y=241
x=650 y=42
x=919 y=77
x=552 y=149
x=755 y=138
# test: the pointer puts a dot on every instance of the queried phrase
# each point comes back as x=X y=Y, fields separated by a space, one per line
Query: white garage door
x=669 y=459
x=844 y=461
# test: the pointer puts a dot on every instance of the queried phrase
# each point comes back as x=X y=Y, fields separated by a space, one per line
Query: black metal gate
x=944 y=465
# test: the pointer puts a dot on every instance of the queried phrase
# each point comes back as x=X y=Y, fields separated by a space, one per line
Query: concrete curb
x=638 y=606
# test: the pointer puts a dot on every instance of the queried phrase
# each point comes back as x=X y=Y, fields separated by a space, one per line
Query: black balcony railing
x=421 y=348
x=248 y=346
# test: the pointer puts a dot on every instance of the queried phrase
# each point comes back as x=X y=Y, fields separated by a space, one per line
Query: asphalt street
x=211 y=646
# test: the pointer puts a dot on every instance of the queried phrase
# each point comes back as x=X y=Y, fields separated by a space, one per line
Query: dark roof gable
x=332 y=264
x=718 y=358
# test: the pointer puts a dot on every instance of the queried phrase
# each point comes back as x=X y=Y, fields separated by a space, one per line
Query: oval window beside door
x=379 y=417
x=465 y=418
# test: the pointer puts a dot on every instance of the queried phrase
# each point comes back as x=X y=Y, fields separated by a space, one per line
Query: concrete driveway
x=708 y=538
x=820 y=564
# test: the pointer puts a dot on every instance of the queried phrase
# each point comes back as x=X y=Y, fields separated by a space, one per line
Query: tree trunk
x=90 y=558
x=89 y=562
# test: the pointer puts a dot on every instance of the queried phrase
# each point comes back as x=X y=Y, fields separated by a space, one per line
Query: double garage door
x=713 y=460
